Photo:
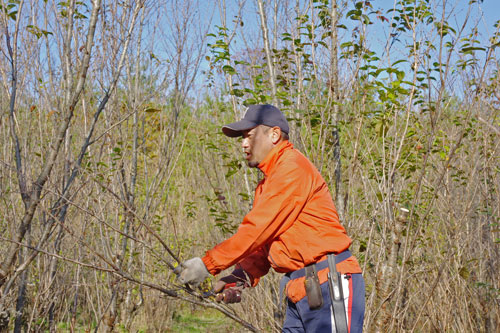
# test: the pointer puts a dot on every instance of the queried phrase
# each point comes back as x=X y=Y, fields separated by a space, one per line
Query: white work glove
x=192 y=272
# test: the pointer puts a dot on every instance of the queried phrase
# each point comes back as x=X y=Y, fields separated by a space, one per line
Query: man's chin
x=252 y=164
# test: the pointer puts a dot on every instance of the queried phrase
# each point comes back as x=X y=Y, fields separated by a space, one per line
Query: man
x=292 y=227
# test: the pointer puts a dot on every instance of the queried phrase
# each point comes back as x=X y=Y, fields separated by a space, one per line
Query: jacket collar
x=267 y=165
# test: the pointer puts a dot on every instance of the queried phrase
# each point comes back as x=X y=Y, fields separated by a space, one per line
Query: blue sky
x=483 y=15
x=485 y=12
x=491 y=10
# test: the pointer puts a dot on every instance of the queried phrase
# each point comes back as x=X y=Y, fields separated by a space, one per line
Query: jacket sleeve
x=283 y=198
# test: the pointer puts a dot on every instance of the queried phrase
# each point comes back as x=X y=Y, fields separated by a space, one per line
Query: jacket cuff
x=210 y=264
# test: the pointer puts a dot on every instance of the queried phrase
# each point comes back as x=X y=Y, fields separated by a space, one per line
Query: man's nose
x=244 y=143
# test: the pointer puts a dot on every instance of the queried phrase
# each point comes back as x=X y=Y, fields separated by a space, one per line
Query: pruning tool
x=220 y=295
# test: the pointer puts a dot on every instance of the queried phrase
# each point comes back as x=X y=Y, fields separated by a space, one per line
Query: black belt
x=319 y=265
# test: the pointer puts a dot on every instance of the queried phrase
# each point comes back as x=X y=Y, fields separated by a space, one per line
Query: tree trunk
x=267 y=48
x=334 y=95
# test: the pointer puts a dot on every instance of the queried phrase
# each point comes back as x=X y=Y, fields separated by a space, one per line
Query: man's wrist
x=238 y=276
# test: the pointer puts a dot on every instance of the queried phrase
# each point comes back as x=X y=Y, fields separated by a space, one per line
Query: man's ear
x=275 y=134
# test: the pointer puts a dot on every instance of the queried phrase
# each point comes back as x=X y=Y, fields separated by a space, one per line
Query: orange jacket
x=293 y=222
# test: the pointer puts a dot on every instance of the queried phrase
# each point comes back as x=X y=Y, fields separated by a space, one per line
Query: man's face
x=256 y=144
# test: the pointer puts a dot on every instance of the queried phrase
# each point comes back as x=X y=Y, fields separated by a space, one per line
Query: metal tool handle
x=337 y=297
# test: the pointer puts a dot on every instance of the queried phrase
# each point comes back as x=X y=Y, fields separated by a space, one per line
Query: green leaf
x=237 y=92
x=250 y=101
x=400 y=75
x=399 y=61
x=464 y=272
x=228 y=69
x=472 y=48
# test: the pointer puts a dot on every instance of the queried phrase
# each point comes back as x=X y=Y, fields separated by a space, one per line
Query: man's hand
x=230 y=295
x=229 y=288
x=192 y=272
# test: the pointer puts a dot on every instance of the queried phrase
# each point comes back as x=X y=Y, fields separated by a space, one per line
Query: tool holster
x=313 y=288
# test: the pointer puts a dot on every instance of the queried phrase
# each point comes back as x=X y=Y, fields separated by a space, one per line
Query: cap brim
x=234 y=130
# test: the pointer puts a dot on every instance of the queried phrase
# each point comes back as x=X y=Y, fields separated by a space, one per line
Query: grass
x=207 y=320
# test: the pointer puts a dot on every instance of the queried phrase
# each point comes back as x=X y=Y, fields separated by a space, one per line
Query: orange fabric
x=293 y=222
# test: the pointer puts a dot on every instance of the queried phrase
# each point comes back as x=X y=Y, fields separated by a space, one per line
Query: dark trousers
x=299 y=318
